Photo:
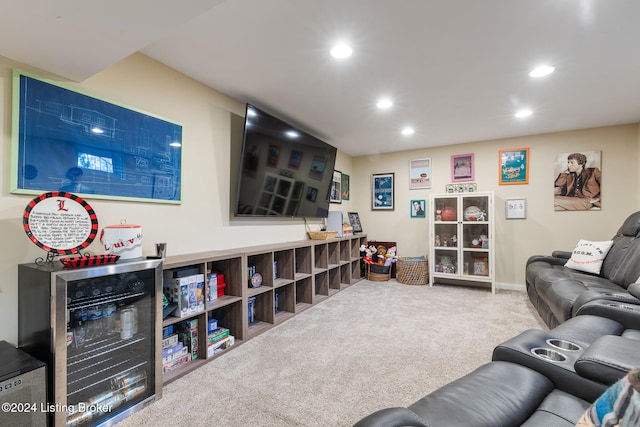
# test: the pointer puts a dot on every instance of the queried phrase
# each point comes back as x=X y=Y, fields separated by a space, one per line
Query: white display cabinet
x=461 y=240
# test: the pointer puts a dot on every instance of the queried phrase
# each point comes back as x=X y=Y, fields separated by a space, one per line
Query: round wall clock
x=60 y=222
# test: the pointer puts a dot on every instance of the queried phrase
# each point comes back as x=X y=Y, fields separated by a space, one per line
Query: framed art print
x=354 y=221
x=515 y=208
x=335 y=195
x=419 y=173
x=462 y=167
x=382 y=194
x=514 y=166
x=64 y=140
x=345 y=186
x=577 y=194
x=418 y=208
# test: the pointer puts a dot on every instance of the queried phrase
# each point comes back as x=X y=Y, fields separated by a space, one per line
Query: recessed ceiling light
x=292 y=134
x=384 y=103
x=341 y=51
x=523 y=113
x=408 y=131
x=542 y=71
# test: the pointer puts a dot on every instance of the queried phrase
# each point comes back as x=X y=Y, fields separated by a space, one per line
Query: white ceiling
x=457 y=70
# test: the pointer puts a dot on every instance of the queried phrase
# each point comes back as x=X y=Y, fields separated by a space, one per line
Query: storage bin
x=413 y=270
x=377 y=273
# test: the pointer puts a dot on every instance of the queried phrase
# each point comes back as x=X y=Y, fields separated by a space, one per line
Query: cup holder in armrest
x=549 y=354
x=563 y=344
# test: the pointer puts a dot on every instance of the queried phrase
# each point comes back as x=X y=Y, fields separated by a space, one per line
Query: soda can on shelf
x=126 y=323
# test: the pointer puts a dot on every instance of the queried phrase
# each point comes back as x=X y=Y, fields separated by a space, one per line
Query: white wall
x=516 y=240
x=212 y=132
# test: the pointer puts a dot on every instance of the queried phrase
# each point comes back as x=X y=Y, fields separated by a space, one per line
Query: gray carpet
x=371 y=346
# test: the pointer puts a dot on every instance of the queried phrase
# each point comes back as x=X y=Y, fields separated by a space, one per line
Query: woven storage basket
x=413 y=271
x=321 y=235
x=377 y=277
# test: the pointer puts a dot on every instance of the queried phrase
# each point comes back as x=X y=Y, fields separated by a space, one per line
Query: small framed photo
x=462 y=167
x=382 y=194
x=418 y=208
x=336 y=188
x=514 y=166
x=515 y=208
x=354 y=221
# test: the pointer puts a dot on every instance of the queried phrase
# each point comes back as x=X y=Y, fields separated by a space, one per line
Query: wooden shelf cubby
x=296 y=275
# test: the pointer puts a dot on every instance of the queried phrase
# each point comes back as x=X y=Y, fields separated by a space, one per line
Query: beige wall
x=212 y=129
x=212 y=132
x=544 y=229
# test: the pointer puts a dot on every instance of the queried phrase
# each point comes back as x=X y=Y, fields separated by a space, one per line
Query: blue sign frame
x=63 y=140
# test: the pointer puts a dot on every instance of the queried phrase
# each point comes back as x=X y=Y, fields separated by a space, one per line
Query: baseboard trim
x=520 y=287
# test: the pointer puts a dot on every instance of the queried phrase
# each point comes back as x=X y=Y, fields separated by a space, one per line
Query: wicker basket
x=413 y=271
x=321 y=235
x=377 y=277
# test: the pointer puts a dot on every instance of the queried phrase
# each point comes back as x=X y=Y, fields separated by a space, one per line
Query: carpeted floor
x=371 y=346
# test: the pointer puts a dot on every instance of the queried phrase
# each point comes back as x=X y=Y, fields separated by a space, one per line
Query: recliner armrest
x=561 y=254
x=608 y=359
x=634 y=289
x=548 y=259
x=391 y=417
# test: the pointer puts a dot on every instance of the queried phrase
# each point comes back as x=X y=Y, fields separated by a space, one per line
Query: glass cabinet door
x=110 y=344
x=475 y=236
x=446 y=231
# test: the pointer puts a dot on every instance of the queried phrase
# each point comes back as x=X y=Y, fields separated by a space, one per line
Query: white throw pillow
x=588 y=256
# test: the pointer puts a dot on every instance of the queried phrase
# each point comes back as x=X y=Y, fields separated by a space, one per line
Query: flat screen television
x=284 y=171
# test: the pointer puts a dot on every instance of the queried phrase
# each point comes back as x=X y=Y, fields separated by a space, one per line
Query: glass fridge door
x=110 y=345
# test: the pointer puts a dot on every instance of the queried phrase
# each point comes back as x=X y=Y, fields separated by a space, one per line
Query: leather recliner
x=497 y=394
x=558 y=292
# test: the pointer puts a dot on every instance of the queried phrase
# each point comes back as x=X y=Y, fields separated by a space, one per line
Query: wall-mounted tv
x=284 y=171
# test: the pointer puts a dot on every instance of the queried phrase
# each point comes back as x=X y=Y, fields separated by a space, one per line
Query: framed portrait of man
x=577 y=178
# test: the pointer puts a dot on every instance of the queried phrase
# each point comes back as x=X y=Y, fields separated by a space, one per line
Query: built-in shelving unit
x=295 y=276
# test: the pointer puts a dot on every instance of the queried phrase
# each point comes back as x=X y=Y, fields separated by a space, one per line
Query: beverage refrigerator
x=99 y=331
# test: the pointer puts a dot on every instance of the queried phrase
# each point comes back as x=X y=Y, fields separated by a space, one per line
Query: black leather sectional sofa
x=559 y=292
x=548 y=378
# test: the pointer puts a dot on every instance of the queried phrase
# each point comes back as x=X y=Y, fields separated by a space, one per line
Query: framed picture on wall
x=382 y=194
x=514 y=166
x=419 y=173
x=335 y=195
x=68 y=141
x=515 y=208
x=571 y=195
x=345 y=186
x=462 y=167
x=418 y=208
